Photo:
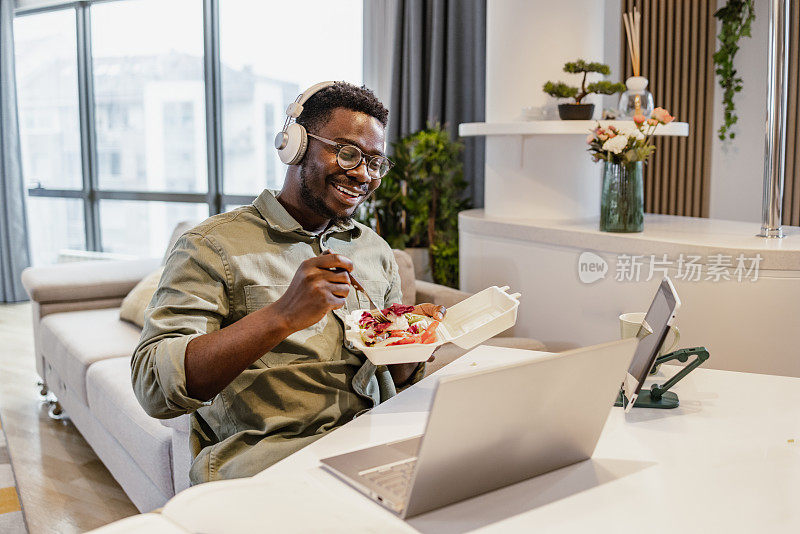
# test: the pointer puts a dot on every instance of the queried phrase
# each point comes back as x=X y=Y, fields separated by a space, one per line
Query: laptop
x=493 y=428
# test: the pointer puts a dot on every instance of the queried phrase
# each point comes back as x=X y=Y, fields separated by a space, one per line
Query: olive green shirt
x=312 y=382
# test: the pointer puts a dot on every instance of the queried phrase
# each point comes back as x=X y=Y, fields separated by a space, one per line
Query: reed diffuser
x=637 y=100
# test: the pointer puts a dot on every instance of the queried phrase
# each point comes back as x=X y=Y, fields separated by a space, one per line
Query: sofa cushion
x=405 y=267
x=73 y=341
x=134 y=304
x=180 y=229
x=112 y=402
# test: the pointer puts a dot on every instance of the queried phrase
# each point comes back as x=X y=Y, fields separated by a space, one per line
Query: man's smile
x=350 y=195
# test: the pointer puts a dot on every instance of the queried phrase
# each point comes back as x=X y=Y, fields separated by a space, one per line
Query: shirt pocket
x=301 y=346
x=258 y=296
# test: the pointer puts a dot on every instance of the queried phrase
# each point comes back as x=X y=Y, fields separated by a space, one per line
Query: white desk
x=722 y=461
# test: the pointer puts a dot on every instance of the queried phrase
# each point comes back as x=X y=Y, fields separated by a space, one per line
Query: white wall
x=612 y=24
x=737 y=166
x=528 y=42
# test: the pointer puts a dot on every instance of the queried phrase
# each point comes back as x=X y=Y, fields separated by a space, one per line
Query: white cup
x=630 y=325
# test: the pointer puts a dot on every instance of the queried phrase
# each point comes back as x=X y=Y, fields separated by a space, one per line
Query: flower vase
x=622 y=201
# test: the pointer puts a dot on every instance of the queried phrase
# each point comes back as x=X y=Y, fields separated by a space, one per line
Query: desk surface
x=728 y=459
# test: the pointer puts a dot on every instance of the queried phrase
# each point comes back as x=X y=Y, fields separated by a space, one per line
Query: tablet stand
x=659 y=396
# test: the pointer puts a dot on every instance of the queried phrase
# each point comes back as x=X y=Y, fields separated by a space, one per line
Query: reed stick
x=637 y=39
x=633 y=31
x=629 y=39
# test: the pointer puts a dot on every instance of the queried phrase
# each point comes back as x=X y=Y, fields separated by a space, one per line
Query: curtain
x=439 y=75
x=378 y=44
x=14 y=253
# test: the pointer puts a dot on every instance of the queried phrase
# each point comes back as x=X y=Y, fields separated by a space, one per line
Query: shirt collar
x=279 y=219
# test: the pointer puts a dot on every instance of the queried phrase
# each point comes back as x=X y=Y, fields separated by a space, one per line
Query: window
x=266 y=63
x=143 y=228
x=149 y=94
x=113 y=98
x=47 y=88
x=54 y=224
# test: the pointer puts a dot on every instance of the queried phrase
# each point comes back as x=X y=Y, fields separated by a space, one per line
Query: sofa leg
x=56 y=412
x=44 y=391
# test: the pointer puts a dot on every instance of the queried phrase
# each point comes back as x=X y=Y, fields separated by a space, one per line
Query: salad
x=402 y=328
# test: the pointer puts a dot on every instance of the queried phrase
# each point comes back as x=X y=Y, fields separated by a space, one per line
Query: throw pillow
x=134 y=304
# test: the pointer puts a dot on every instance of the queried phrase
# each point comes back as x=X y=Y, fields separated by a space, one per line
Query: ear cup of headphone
x=296 y=143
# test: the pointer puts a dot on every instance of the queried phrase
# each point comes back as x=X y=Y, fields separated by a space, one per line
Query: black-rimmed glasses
x=349 y=157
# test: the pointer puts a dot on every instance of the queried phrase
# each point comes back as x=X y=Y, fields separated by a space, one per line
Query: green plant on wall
x=419 y=199
x=737 y=17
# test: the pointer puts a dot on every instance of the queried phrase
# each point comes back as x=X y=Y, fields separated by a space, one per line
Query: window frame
x=90 y=192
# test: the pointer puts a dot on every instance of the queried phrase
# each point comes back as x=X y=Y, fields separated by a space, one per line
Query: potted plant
x=577 y=110
x=624 y=150
x=418 y=202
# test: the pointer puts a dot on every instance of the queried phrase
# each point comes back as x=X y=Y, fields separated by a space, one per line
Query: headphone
x=292 y=141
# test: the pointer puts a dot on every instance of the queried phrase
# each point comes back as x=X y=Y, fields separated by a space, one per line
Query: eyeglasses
x=349 y=157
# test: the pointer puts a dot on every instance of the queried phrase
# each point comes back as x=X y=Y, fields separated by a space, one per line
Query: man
x=245 y=330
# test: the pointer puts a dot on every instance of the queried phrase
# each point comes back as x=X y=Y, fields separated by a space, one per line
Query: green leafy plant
x=603 y=87
x=419 y=199
x=737 y=17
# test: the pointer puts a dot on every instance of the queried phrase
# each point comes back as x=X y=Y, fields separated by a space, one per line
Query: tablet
x=651 y=336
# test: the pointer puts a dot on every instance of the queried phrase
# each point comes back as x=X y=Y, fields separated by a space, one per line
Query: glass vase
x=637 y=100
x=622 y=201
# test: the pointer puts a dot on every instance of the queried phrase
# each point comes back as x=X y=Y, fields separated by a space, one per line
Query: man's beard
x=316 y=203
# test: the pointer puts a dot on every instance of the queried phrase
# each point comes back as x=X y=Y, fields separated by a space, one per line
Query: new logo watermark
x=687 y=267
x=591 y=267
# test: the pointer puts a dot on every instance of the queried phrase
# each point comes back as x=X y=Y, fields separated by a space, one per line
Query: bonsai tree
x=419 y=199
x=603 y=87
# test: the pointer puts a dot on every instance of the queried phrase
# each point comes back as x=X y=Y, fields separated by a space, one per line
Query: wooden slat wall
x=678 y=42
x=791 y=187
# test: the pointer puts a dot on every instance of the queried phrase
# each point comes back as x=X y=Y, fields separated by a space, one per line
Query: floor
x=64 y=486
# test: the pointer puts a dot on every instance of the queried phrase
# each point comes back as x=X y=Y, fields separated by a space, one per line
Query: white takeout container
x=468 y=323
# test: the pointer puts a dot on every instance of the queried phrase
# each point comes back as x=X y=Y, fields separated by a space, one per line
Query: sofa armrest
x=86 y=280
x=439 y=294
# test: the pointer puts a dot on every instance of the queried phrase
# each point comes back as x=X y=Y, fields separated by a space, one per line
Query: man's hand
x=213 y=360
x=401 y=372
x=321 y=284
x=431 y=310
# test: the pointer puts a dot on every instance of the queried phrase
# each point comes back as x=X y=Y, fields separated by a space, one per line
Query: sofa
x=83 y=352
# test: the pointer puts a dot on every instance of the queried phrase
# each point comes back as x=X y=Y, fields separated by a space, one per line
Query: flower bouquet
x=623 y=150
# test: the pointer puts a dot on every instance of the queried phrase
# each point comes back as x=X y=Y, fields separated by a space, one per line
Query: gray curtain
x=14 y=253
x=439 y=74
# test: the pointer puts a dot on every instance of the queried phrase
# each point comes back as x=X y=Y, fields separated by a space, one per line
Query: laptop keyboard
x=394 y=478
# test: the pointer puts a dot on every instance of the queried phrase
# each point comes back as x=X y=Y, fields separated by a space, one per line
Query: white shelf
x=556 y=127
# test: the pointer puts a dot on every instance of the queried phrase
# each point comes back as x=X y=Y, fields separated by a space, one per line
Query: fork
x=378 y=314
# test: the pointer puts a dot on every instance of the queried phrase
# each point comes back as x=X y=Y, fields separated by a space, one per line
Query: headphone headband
x=291 y=141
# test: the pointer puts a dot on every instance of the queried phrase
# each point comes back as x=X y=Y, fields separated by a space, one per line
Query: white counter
x=752 y=324
x=663 y=233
